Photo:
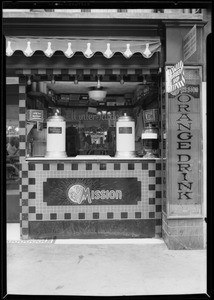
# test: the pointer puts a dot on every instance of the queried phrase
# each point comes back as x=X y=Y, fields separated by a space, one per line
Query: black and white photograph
x=105 y=139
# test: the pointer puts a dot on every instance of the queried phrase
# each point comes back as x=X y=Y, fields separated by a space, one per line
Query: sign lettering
x=126 y=130
x=77 y=193
x=92 y=191
x=184 y=148
x=57 y=130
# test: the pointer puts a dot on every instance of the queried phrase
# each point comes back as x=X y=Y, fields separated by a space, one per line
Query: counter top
x=95 y=158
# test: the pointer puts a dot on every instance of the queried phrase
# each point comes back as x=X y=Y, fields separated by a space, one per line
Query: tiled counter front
x=45 y=217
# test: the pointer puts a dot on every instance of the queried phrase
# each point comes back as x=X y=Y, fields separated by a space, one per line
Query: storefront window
x=91 y=125
x=12 y=151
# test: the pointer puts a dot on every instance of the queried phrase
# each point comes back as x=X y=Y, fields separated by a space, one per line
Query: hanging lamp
x=97 y=93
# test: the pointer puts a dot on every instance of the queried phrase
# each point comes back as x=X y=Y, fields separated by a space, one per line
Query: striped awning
x=88 y=46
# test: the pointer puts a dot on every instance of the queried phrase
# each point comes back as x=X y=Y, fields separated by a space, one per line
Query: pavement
x=109 y=267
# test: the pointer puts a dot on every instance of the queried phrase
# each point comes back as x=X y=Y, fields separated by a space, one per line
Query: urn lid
x=125 y=118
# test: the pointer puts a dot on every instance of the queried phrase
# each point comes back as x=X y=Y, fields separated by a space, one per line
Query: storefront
x=123 y=162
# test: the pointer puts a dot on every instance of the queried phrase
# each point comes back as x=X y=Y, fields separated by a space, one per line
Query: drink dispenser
x=150 y=133
x=56 y=127
x=125 y=137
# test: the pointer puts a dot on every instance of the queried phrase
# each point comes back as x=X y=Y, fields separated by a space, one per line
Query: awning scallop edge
x=88 y=46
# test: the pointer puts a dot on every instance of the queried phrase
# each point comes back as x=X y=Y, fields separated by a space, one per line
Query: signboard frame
x=195 y=210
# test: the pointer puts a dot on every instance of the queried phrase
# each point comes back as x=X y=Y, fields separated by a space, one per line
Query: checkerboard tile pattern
x=65 y=73
x=24 y=181
x=34 y=208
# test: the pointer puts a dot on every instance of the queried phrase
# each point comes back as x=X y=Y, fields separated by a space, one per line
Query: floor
x=110 y=267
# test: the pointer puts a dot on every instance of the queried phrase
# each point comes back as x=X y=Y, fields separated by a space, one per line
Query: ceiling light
x=121 y=80
x=53 y=80
x=97 y=93
x=76 y=80
x=29 y=81
x=144 y=80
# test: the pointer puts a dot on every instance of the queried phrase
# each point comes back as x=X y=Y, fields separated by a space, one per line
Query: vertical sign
x=189 y=43
x=184 y=139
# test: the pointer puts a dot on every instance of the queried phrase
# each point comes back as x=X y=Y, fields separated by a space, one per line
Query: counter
x=104 y=197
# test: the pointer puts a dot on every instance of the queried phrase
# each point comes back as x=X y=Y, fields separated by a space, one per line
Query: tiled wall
x=34 y=208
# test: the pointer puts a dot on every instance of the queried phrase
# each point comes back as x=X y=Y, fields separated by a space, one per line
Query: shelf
x=38 y=94
x=42 y=96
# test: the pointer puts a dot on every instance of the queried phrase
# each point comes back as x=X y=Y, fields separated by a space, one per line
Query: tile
x=32 y=217
x=110 y=215
x=158 y=194
x=88 y=166
x=24 y=195
x=38 y=216
x=131 y=166
x=21 y=124
x=24 y=210
x=96 y=215
x=53 y=216
x=124 y=215
x=46 y=167
x=145 y=166
x=32 y=195
x=31 y=188
x=67 y=216
x=31 y=202
x=24 y=188
x=32 y=209
x=67 y=167
x=158 y=180
x=22 y=103
x=60 y=167
x=158 y=166
x=116 y=166
x=21 y=153
x=24 y=174
x=151 y=187
x=151 y=215
x=32 y=181
x=151 y=173
x=81 y=216
x=24 y=202
x=158 y=208
x=137 y=215
x=102 y=166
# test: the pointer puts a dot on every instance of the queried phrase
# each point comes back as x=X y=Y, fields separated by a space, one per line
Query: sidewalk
x=102 y=267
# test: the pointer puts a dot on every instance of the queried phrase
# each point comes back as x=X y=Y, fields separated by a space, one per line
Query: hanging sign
x=175 y=77
x=35 y=115
x=189 y=43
